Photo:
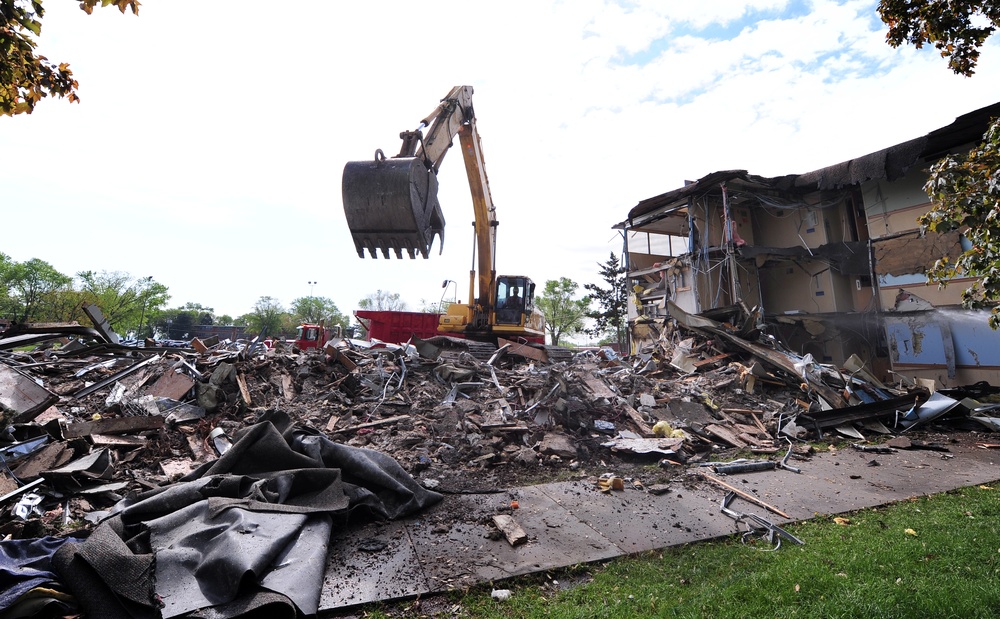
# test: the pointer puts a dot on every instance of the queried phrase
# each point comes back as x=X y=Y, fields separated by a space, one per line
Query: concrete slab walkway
x=447 y=547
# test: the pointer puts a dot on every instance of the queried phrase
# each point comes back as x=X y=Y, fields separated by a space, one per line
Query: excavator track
x=452 y=347
x=558 y=354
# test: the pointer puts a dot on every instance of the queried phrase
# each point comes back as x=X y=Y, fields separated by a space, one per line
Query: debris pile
x=88 y=425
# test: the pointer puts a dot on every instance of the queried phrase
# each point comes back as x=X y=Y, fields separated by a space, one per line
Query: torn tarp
x=238 y=530
x=25 y=565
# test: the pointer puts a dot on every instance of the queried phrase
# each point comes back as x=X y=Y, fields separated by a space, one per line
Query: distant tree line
x=36 y=292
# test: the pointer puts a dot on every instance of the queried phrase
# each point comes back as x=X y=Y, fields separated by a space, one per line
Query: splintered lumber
x=375 y=424
x=726 y=435
x=244 y=390
x=115 y=425
x=747 y=496
x=710 y=360
x=339 y=357
x=511 y=530
x=103 y=440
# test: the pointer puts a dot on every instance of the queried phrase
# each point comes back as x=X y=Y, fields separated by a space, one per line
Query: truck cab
x=315 y=336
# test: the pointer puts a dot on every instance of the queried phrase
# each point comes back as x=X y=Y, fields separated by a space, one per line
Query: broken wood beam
x=637 y=419
x=375 y=424
x=105 y=440
x=710 y=360
x=244 y=390
x=337 y=356
x=114 y=425
x=745 y=495
x=726 y=435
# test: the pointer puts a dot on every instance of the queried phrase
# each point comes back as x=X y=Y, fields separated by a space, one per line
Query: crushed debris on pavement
x=93 y=432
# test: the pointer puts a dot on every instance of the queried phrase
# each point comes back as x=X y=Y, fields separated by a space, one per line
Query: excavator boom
x=392 y=207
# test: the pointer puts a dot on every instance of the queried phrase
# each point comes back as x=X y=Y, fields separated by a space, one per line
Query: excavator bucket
x=392 y=205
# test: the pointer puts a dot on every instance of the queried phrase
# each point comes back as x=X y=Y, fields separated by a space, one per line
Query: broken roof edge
x=889 y=163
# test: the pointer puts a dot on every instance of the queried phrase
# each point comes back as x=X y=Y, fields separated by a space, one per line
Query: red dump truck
x=397 y=327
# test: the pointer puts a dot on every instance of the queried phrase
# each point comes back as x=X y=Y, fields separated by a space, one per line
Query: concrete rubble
x=88 y=423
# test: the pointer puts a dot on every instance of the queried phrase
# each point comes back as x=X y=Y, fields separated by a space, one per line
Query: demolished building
x=830 y=263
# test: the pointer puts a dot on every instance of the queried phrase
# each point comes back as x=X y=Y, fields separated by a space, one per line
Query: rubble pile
x=110 y=455
x=87 y=422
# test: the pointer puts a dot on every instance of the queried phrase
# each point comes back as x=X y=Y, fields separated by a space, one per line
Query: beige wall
x=894 y=207
x=812 y=288
x=937 y=297
x=711 y=223
x=713 y=291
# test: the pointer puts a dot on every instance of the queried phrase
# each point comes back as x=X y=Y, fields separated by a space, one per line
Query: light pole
x=312 y=303
x=142 y=315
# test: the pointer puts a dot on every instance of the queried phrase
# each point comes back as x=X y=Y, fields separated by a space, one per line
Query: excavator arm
x=391 y=205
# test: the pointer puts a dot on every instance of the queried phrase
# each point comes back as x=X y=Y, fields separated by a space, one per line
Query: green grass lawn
x=935 y=556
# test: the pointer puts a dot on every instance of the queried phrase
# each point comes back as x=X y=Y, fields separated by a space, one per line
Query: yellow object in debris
x=842 y=521
x=609 y=482
x=662 y=428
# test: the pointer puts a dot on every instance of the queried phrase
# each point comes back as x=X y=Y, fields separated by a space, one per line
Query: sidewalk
x=447 y=546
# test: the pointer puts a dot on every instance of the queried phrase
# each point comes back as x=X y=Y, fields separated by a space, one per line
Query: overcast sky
x=208 y=147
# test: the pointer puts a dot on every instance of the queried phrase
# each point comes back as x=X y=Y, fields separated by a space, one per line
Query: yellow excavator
x=392 y=207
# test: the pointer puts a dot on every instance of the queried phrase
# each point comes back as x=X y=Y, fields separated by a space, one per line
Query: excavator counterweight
x=391 y=205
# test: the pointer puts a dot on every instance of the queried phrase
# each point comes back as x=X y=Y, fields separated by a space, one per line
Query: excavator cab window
x=513 y=299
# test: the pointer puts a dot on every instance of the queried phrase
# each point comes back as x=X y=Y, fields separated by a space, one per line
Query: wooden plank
x=114 y=425
x=747 y=496
x=104 y=440
x=244 y=390
x=375 y=424
x=710 y=360
x=595 y=385
x=511 y=530
x=726 y=435
x=638 y=420
x=337 y=356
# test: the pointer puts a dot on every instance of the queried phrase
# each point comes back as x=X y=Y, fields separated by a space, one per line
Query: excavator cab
x=515 y=298
x=391 y=205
